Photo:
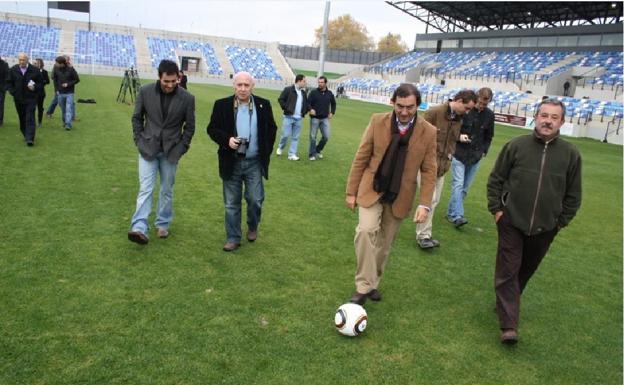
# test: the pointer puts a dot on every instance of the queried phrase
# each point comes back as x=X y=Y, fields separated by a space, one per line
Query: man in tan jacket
x=395 y=147
x=447 y=118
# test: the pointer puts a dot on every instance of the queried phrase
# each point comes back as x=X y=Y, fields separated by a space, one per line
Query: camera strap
x=250 y=108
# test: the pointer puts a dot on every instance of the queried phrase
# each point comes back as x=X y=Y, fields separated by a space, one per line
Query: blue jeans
x=290 y=127
x=147 y=178
x=52 y=105
x=66 y=102
x=314 y=126
x=249 y=172
x=462 y=179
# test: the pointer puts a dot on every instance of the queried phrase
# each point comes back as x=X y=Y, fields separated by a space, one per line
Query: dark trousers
x=517 y=258
x=40 y=99
x=2 y=93
x=26 y=115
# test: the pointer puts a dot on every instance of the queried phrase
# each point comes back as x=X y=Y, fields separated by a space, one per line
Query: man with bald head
x=24 y=83
x=243 y=127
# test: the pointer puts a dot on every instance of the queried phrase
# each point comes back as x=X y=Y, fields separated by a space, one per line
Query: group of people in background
x=26 y=82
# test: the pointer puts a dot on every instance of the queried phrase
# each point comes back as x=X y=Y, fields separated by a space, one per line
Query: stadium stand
x=108 y=49
x=35 y=40
x=166 y=49
x=253 y=60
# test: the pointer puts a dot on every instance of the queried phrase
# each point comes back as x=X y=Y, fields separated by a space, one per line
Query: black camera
x=243 y=143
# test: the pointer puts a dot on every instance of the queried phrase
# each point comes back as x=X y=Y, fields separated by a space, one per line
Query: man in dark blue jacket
x=65 y=79
x=24 y=83
x=294 y=103
x=322 y=108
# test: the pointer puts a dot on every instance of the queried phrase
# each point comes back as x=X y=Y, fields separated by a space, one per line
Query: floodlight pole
x=323 y=41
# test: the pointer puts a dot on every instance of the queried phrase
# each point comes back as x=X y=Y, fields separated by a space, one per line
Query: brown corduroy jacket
x=447 y=134
x=421 y=156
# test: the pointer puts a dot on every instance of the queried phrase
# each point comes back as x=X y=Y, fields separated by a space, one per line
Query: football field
x=80 y=304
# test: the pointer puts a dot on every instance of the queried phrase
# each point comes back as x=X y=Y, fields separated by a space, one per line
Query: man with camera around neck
x=244 y=128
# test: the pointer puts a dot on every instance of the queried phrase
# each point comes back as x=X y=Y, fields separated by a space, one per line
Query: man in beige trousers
x=395 y=147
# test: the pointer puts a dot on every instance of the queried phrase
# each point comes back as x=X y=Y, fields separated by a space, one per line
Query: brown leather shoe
x=509 y=336
x=138 y=237
x=374 y=295
x=231 y=246
x=252 y=235
x=162 y=233
x=358 y=298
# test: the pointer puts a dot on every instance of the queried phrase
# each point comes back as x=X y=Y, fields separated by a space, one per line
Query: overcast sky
x=289 y=22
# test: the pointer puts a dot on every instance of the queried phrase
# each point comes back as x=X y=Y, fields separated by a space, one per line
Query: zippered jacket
x=536 y=183
x=447 y=134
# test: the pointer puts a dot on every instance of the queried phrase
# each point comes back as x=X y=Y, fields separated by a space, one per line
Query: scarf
x=389 y=174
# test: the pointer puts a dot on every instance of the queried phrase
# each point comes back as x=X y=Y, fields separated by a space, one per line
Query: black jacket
x=222 y=127
x=479 y=126
x=322 y=102
x=17 y=83
x=288 y=99
x=65 y=75
x=4 y=73
x=46 y=81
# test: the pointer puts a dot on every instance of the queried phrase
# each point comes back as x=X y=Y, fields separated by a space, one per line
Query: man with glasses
x=533 y=192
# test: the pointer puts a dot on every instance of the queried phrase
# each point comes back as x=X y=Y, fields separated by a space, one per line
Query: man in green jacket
x=533 y=191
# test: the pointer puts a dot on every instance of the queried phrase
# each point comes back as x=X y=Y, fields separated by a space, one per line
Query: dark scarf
x=390 y=172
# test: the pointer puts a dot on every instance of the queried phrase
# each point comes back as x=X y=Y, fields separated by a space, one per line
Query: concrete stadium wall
x=313 y=65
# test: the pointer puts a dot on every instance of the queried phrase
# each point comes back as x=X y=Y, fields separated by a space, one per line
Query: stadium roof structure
x=470 y=16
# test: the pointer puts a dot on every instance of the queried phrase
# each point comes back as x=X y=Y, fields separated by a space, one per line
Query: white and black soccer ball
x=351 y=319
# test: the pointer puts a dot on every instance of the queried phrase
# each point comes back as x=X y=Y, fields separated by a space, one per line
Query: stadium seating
x=451 y=60
x=402 y=63
x=610 y=61
x=514 y=64
x=103 y=48
x=165 y=49
x=37 y=41
x=253 y=60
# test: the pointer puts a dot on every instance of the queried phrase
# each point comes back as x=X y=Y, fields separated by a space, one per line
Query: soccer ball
x=351 y=319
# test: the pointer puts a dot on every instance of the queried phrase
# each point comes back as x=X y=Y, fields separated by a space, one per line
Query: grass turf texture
x=80 y=304
x=311 y=75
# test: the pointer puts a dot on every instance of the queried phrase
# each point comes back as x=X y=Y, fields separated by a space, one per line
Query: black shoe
x=30 y=143
x=509 y=336
x=428 y=243
x=374 y=295
x=459 y=222
x=358 y=298
x=138 y=237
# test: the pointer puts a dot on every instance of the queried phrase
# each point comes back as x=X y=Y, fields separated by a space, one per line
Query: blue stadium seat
x=256 y=61
x=37 y=41
x=165 y=49
x=104 y=48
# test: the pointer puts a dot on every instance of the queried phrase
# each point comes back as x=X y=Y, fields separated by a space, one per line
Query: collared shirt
x=247 y=127
x=23 y=69
x=404 y=127
x=298 y=104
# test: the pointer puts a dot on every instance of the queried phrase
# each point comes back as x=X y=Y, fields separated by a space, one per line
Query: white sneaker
x=312 y=158
x=278 y=151
x=293 y=157
x=319 y=155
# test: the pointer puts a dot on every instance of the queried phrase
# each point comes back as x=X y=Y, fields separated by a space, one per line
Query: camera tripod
x=131 y=83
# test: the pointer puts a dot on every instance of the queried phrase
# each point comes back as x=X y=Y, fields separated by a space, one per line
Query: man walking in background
x=533 y=192
x=65 y=79
x=24 y=83
x=322 y=108
x=394 y=149
x=163 y=124
x=294 y=103
x=447 y=118
x=244 y=128
x=4 y=75
x=474 y=141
